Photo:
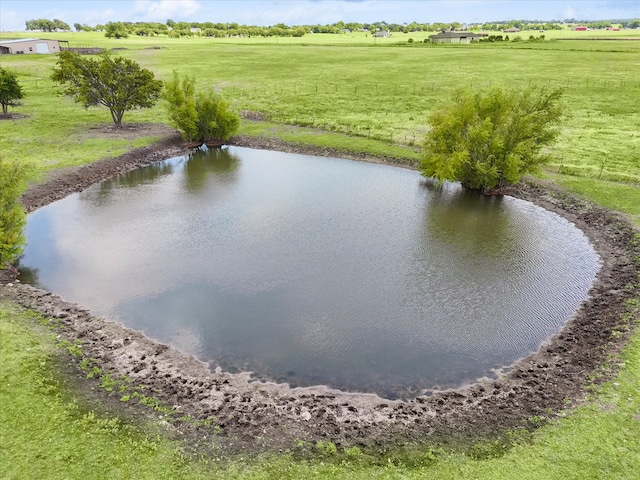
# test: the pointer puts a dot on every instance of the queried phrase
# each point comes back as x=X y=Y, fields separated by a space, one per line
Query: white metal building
x=29 y=45
x=454 y=37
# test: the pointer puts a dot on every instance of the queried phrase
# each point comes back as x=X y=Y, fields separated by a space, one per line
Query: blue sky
x=14 y=13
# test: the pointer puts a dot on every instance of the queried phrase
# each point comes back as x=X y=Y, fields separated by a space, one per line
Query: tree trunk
x=117 y=118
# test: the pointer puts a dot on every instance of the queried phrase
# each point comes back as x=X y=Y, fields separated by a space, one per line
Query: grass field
x=350 y=94
x=383 y=93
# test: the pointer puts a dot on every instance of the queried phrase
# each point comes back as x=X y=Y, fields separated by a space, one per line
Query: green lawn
x=345 y=94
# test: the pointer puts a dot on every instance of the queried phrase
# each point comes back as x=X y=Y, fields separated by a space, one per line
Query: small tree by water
x=489 y=139
x=200 y=116
x=12 y=215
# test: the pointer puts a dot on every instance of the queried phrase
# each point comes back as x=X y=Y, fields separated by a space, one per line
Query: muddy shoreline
x=234 y=413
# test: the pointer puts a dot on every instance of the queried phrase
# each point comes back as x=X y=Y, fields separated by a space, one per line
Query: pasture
x=362 y=91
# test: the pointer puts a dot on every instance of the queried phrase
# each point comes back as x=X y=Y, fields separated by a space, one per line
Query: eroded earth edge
x=233 y=413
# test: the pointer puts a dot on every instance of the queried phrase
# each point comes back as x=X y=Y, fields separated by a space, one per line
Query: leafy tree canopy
x=83 y=27
x=489 y=139
x=12 y=215
x=116 y=30
x=116 y=83
x=200 y=116
x=10 y=90
x=46 y=25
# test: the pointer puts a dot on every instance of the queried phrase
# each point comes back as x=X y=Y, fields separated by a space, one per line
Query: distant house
x=382 y=34
x=30 y=45
x=512 y=30
x=581 y=28
x=454 y=37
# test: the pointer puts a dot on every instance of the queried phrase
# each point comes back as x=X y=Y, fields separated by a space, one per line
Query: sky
x=14 y=13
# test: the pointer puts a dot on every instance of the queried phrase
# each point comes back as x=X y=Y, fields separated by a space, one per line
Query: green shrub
x=12 y=215
x=200 y=116
x=489 y=139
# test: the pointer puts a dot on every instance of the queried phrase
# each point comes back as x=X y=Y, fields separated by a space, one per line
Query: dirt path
x=237 y=414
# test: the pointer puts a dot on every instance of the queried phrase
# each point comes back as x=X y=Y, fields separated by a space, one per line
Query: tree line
x=232 y=29
x=47 y=25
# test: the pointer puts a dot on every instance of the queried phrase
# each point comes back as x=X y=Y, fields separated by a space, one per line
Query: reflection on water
x=203 y=161
x=487 y=232
x=315 y=270
x=103 y=191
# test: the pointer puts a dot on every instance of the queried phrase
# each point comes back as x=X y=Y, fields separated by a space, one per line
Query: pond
x=315 y=271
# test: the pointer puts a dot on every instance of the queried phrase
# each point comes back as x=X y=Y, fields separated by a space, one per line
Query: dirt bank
x=235 y=413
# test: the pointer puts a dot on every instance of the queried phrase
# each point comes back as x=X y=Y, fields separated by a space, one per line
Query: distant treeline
x=47 y=25
x=210 y=29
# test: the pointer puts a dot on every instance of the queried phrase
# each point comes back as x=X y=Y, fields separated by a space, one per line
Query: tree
x=117 y=83
x=487 y=140
x=116 y=30
x=12 y=215
x=60 y=25
x=200 y=116
x=41 y=24
x=47 y=25
x=10 y=90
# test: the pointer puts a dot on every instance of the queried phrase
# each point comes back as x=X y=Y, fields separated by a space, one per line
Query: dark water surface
x=315 y=270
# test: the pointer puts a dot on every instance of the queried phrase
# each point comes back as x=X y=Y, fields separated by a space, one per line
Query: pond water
x=315 y=270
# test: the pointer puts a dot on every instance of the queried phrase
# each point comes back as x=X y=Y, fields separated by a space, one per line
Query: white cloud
x=10 y=21
x=166 y=9
x=568 y=12
x=98 y=18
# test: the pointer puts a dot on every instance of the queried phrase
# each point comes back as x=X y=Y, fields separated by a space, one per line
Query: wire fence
x=299 y=99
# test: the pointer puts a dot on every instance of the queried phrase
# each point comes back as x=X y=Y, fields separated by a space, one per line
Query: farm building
x=512 y=30
x=580 y=28
x=454 y=37
x=30 y=45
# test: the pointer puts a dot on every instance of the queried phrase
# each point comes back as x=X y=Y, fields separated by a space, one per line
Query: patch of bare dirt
x=129 y=131
x=235 y=413
x=13 y=116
